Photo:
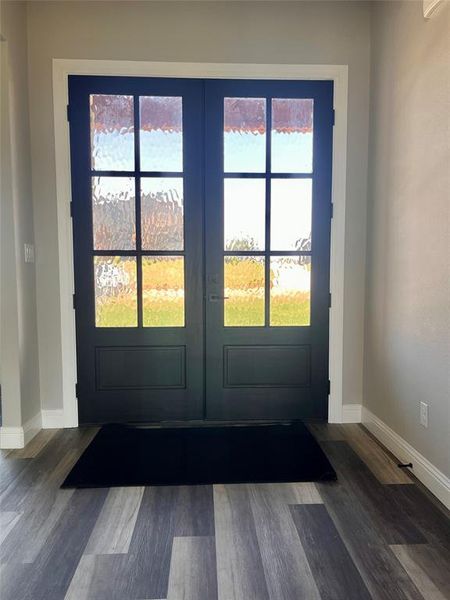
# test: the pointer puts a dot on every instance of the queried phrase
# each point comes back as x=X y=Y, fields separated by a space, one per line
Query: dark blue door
x=268 y=210
x=201 y=221
x=137 y=193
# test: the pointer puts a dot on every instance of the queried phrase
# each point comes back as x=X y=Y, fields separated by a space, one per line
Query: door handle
x=215 y=297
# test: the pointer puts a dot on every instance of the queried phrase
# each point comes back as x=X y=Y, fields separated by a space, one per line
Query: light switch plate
x=29 y=253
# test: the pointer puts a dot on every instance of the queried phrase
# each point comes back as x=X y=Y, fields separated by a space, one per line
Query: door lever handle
x=215 y=297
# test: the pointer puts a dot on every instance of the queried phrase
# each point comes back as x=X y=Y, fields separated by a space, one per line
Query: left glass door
x=136 y=152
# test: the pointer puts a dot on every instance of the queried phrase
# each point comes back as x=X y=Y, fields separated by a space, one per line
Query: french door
x=201 y=225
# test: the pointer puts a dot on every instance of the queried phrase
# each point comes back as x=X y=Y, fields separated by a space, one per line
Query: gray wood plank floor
x=373 y=534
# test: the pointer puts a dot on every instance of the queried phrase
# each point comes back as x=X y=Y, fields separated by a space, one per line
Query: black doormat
x=122 y=455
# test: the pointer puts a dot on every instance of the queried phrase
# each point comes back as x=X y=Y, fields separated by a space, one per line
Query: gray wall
x=407 y=298
x=403 y=338
x=18 y=342
x=260 y=32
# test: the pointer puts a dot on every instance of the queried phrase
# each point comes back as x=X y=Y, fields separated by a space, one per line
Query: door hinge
x=73 y=301
x=331 y=210
x=76 y=390
x=71 y=210
x=333 y=118
x=68 y=112
x=329 y=387
x=329 y=300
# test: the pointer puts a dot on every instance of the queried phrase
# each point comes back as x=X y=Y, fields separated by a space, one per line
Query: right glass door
x=267 y=240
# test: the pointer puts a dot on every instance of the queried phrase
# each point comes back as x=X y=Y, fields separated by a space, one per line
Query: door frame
x=62 y=68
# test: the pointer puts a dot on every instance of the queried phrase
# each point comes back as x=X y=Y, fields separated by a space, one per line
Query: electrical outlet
x=424 y=414
x=28 y=253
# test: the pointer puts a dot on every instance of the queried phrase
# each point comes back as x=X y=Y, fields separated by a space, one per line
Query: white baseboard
x=423 y=469
x=52 y=419
x=18 y=437
x=351 y=413
x=32 y=427
x=11 y=437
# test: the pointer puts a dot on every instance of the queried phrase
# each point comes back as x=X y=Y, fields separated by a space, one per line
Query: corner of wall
x=18 y=320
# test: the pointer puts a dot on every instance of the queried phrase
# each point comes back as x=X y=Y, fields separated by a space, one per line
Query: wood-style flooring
x=374 y=533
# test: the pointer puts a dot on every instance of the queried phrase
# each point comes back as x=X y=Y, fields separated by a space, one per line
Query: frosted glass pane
x=162 y=213
x=244 y=135
x=163 y=291
x=290 y=290
x=290 y=226
x=244 y=289
x=112 y=132
x=113 y=213
x=161 y=133
x=244 y=212
x=292 y=135
x=115 y=291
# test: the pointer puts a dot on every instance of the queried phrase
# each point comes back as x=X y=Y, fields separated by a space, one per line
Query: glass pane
x=163 y=291
x=161 y=133
x=244 y=289
x=245 y=135
x=290 y=290
x=112 y=133
x=290 y=225
x=292 y=135
x=244 y=212
x=115 y=291
x=162 y=213
x=113 y=213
